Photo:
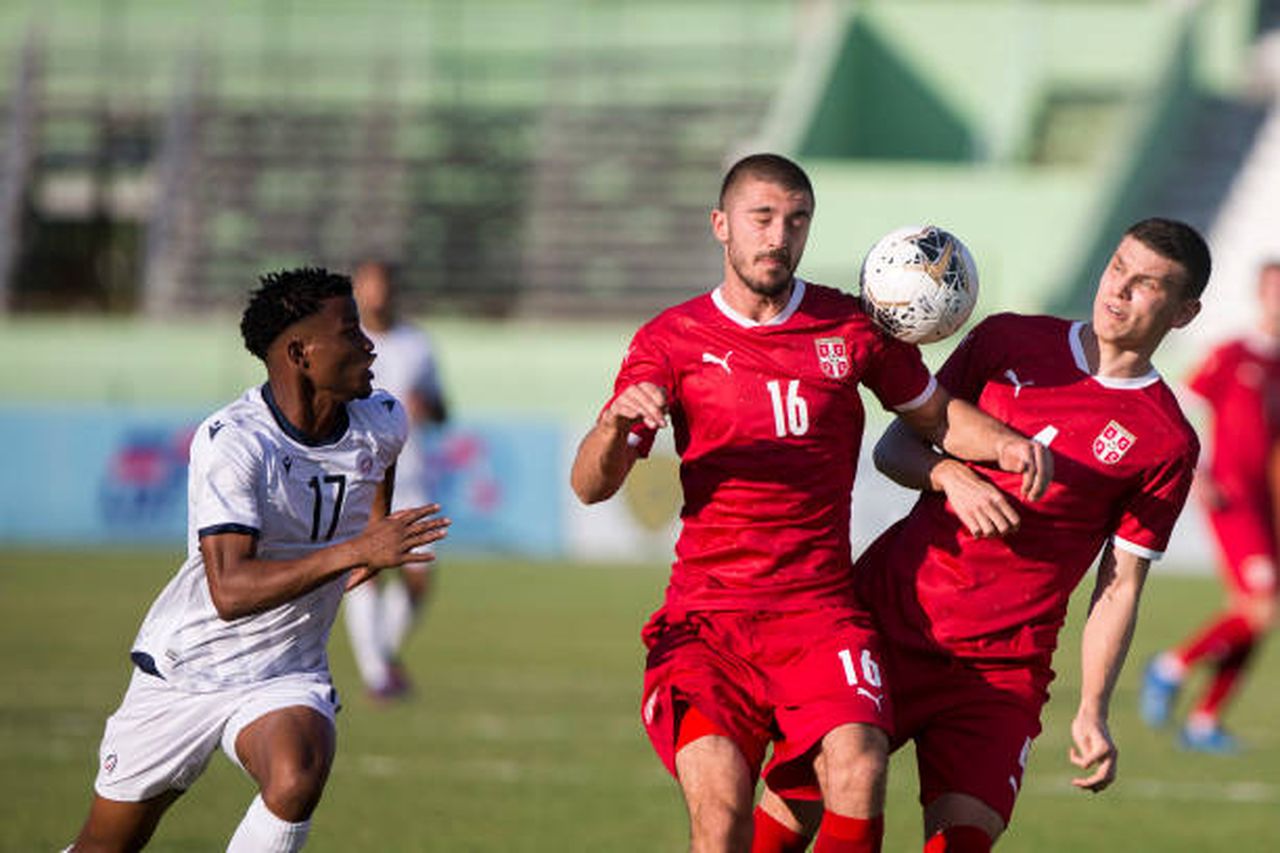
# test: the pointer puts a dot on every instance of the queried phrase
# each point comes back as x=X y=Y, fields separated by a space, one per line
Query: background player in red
x=759 y=640
x=971 y=589
x=1240 y=381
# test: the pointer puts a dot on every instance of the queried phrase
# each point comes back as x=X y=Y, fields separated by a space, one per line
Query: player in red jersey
x=758 y=640
x=1241 y=383
x=971 y=589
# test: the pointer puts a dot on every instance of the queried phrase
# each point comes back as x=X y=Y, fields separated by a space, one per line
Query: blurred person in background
x=289 y=488
x=380 y=614
x=759 y=640
x=971 y=589
x=1240 y=382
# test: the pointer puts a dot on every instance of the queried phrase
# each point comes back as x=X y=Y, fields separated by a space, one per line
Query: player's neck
x=757 y=307
x=317 y=416
x=1110 y=360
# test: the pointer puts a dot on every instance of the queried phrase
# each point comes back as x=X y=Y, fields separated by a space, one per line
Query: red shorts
x=761 y=677
x=1247 y=545
x=972 y=723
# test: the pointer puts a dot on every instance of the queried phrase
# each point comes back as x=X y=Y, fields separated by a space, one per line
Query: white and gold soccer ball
x=919 y=283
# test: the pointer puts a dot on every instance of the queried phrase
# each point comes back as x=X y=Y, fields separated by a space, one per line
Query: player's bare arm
x=910 y=461
x=605 y=456
x=240 y=584
x=964 y=431
x=1113 y=613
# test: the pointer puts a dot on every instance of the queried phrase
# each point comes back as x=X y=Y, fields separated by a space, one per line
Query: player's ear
x=720 y=225
x=1187 y=312
x=296 y=351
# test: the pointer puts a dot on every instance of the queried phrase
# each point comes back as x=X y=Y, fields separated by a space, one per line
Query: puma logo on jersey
x=389 y=404
x=1017 y=385
x=287 y=462
x=708 y=358
x=214 y=428
x=862 y=691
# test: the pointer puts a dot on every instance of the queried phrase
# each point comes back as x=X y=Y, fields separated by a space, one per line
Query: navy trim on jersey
x=339 y=429
x=146 y=663
x=214 y=530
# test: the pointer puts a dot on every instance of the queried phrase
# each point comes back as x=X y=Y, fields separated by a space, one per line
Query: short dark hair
x=773 y=168
x=282 y=299
x=1178 y=242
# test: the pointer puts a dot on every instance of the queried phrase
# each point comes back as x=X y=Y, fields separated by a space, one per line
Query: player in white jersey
x=289 y=491
x=379 y=615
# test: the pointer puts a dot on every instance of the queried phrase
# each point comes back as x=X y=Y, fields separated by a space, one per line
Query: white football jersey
x=252 y=472
x=406 y=363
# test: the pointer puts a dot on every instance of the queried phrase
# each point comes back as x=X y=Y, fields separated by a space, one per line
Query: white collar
x=1120 y=383
x=797 y=294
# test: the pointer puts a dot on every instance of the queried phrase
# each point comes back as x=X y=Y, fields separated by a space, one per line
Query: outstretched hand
x=1031 y=459
x=1092 y=748
x=393 y=541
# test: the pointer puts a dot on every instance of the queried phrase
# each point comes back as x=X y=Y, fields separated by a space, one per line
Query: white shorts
x=161 y=737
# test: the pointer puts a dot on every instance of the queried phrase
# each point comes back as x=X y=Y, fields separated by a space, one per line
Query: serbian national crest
x=833 y=357
x=1112 y=443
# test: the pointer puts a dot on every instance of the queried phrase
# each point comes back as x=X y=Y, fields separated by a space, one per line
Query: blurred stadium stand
x=516 y=158
x=557 y=159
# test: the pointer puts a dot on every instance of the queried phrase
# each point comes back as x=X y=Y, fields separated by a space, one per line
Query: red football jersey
x=1241 y=382
x=768 y=423
x=1124 y=457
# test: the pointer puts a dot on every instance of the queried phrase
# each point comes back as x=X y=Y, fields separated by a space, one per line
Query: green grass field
x=525 y=733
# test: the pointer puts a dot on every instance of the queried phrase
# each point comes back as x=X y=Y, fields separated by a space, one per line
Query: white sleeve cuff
x=921 y=398
x=1136 y=549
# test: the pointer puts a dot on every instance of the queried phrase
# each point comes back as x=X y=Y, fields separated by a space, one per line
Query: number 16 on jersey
x=870 y=669
x=790 y=417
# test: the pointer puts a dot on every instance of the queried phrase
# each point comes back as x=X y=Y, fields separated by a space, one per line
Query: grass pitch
x=524 y=734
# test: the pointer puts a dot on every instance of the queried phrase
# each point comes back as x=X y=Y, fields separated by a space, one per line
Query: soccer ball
x=919 y=283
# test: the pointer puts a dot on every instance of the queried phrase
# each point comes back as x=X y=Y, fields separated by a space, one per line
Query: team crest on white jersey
x=833 y=357
x=1112 y=443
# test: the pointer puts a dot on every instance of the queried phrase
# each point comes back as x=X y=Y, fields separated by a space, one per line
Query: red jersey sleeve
x=1206 y=379
x=1146 y=521
x=897 y=375
x=966 y=371
x=644 y=361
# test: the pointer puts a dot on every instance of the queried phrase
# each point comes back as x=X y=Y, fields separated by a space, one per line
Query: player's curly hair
x=282 y=299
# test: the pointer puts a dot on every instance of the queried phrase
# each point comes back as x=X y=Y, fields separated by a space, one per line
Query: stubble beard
x=768 y=288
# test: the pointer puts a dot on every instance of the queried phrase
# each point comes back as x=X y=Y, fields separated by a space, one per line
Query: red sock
x=840 y=834
x=1219 y=640
x=959 y=839
x=1225 y=679
x=772 y=837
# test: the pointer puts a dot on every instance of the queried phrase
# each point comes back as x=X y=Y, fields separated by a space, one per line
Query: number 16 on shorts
x=864 y=674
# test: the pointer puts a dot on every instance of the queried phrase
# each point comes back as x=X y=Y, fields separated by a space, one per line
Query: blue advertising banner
x=86 y=475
